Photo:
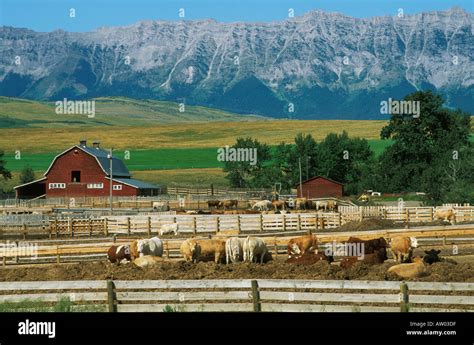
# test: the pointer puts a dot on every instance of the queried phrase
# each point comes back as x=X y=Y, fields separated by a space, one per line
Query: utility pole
x=307 y=166
x=301 y=179
x=109 y=156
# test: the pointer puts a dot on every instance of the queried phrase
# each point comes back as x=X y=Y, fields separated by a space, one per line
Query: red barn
x=83 y=171
x=320 y=187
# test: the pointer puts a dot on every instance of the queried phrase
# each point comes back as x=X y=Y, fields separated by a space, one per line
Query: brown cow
x=309 y=259
x=116 y=254
x=226 y=204
x=413 y=270
x=300 y=245
x=213 y=203
x=212 y=248
x=370 y=246
x=402 y=248
x=278 y=204
x=377 y=257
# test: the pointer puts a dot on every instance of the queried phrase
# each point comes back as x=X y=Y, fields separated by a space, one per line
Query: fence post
x=72 y=227
x=149 y=226
x=238 y=224
x=284 y=222
x=194 y=225
x=24 y=231
x=298 y=226
x=431 y=214
x=129 y=225
x=90 y=227
x=56 y=226
x=407 y=215
x=217 y=224
x=256 y=297
x=276 y=247
x=261 y=222
x=340 y=219
x=361 y=213
x=404 y=299
x=111 y=297
x=106 y=227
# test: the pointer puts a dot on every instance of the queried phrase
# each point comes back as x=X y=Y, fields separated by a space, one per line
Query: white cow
x=152 y=246
x=169 y=229
x=321 y=204
x=161 y=206
x=262 y=205
x=253 y=247
x=234 y=249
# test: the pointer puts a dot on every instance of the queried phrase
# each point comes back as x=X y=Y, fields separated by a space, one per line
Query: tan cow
x=332 y=205
x=147 y=261
x=402 y=248
x=300 y=203
x=413 y=270
x=212 y=248
x=301 y=245
x=190 y=250
x=444 y=214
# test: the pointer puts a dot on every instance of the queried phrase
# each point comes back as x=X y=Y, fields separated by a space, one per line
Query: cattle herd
x=257 y=206
x=303 y=250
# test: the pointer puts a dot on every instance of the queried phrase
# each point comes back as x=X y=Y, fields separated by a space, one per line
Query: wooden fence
x=83 y=249
x=260 y=295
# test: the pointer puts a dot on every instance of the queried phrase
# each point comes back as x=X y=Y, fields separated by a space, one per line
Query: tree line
x=430 y=153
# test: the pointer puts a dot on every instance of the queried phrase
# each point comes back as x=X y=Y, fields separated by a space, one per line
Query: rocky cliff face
x=324 y=65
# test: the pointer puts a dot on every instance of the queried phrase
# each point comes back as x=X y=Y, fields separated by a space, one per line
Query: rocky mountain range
x=319 y=65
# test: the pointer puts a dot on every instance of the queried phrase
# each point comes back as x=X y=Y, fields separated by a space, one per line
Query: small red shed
x=320 y=187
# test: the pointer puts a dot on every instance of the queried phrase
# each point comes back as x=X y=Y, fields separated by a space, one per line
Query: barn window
x=117 y=187
x=95 y=185
x=75 y=176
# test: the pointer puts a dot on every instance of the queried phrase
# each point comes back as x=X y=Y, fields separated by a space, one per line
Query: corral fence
x=79 y=225
x=80 y=249
x=259 y=295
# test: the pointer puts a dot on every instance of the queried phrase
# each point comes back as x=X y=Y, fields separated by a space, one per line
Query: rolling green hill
x=20 y=113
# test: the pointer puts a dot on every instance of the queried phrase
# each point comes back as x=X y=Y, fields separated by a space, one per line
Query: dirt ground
x=276 y=269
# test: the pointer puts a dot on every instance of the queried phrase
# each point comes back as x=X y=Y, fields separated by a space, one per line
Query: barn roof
x=319 y=176
x=28 y=183
x=119 y=168
x=135 y=183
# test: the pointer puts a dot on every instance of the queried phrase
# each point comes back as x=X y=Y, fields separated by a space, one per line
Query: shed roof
x=135 y=183
x=319 y=176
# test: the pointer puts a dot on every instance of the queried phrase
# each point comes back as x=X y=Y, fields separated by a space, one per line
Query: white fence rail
x=247 y=295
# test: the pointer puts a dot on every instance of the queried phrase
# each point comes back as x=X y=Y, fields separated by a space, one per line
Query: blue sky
x=48 y=15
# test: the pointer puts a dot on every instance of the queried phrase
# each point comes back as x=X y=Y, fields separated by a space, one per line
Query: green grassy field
x=152 y=159
x=109 y=111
